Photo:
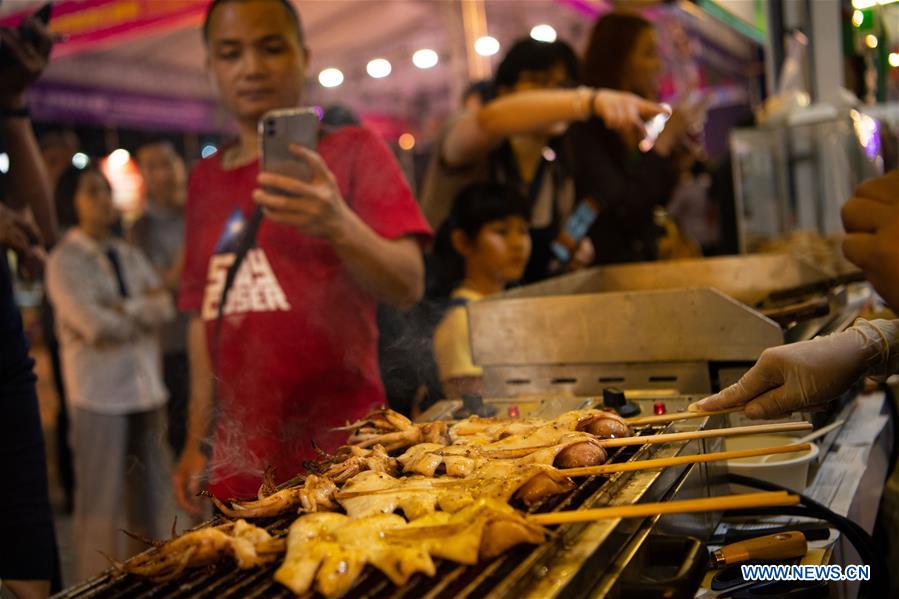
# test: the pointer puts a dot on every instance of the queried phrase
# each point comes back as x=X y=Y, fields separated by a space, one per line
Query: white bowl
x=789 y=470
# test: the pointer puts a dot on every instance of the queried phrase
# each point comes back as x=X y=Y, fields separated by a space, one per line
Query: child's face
x=502 y=249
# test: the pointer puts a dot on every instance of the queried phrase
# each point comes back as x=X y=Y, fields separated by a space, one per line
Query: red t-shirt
x=297 y=353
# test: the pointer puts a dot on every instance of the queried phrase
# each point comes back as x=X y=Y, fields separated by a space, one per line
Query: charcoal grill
x=579 y=560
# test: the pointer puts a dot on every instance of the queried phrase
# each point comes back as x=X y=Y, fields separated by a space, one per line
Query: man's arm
x=189 y=472
x=391 y=270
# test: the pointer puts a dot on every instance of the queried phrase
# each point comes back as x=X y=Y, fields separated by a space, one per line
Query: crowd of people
x=541 y=172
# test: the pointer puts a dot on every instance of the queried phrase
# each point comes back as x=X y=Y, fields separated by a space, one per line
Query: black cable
x=878 y=585
x=247 y=240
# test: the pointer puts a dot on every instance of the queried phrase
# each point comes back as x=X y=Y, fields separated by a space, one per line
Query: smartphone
x=654 y=128
x=280 y=128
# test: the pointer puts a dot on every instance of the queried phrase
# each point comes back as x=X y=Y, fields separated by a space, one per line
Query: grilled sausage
x=585 y=453
x=605 y=426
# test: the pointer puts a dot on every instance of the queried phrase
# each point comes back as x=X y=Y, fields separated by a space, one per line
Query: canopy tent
x=140 y=63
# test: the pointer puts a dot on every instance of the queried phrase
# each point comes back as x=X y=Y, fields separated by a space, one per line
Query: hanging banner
x=91 y=25
x=61 y=103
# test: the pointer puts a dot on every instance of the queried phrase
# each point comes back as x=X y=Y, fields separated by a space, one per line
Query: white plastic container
x=790 y=470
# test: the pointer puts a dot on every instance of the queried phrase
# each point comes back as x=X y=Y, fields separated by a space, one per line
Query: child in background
x=482 y=247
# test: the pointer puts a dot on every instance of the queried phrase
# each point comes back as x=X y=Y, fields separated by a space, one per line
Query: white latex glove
x=802 y=375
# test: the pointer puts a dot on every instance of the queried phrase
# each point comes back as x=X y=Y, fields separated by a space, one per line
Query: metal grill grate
x=451 y=580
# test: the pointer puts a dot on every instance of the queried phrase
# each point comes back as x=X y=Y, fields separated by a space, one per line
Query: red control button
x=514 y=412
x=659 y=408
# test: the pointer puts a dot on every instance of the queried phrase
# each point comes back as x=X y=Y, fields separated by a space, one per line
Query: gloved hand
x=801 y=375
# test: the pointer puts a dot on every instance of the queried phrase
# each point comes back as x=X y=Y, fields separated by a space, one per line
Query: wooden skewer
x=674 y=416
x=700 y=458
x=736 y=431
x=597 y=470
x=640 y=510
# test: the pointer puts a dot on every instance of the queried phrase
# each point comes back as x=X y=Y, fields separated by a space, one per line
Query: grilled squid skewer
x=327 y=552
x=316 y=492
x=248 y=545
x=394 y=431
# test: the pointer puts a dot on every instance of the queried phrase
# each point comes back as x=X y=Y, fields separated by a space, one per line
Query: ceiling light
x=871 y=41
x=543 y=33
x=425 y=58
x=486 y=46
x=894 y=59
x=378 y=68
x=4 y=162
x=330 y=77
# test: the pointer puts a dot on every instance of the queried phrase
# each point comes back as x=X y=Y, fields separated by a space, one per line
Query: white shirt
x=109 y=344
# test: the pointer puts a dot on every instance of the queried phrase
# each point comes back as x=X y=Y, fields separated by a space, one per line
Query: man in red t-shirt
x=297 y=351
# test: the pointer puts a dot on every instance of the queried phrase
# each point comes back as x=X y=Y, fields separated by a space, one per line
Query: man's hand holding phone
x=315 y=207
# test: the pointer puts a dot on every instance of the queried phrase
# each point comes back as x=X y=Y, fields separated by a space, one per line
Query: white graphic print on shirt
x=255 y=288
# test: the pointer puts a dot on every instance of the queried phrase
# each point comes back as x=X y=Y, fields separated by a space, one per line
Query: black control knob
x=613 y=397
x=473 y=405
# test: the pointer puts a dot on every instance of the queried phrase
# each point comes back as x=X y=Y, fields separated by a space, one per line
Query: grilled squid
x=248 y=545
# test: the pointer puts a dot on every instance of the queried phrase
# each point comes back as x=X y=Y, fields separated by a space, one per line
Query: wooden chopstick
x=640 y=510
x=680 y=460
x=674 y=416
x=596 y=470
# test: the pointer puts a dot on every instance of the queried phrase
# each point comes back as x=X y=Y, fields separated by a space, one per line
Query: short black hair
x=474 y=207
x=527 y=54
x=288 y=6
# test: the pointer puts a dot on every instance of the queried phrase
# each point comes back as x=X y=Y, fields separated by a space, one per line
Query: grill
x=577 y=560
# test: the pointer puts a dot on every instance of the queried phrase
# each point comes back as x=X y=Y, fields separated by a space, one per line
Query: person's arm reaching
x=802 y=375
x=391 y=270
x=474 y=134
x=188 y=474
x=29 y=183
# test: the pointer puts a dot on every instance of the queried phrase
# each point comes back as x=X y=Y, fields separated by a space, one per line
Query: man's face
x=255 y=57
x=164 y=174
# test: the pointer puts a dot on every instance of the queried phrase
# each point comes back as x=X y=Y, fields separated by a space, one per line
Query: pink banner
x=91 y=25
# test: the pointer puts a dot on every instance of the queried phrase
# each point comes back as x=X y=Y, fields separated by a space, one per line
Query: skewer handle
x=679 y=460
x=736 y=431
x=641 y=510
x=674 y=416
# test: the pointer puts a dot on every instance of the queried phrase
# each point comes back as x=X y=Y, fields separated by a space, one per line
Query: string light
x=330 y=77
x=425 y=58
x=378 y=68
x=543 y=33
x=486 y=46
x=80 y=160
x=406 y=141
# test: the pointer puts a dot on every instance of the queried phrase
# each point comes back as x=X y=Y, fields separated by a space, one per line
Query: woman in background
x=482 y=247
x=626 y=184
x=109 y=305
x=517 y=139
